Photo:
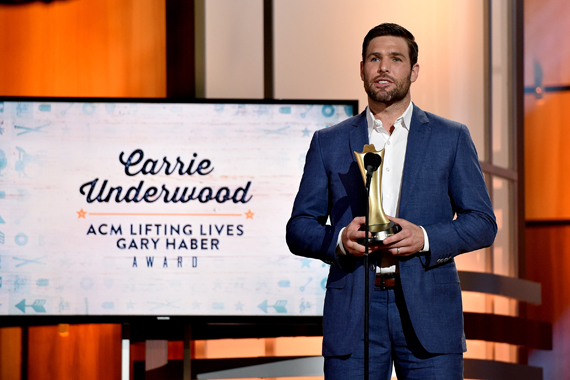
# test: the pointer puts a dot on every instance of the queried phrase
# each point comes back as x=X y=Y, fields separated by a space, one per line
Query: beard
x=402 y=87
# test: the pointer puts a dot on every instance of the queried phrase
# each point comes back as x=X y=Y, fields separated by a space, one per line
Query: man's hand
x=408 y=241
x=352 y=233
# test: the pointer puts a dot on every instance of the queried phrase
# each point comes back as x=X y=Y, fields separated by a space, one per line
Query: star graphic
x=249 y=214
x=306 y=132
x=1 y=131
x=81 y=214
x=239 y=306
x=196 y=305
x=130 y=305
x=305 y=263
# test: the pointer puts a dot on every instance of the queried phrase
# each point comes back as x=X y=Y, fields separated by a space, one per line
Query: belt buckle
x=383 y=282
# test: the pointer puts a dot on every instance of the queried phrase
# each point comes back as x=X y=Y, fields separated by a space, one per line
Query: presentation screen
x=149 y=207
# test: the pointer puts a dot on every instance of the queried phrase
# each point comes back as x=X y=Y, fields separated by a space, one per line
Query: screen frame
x=210 y=326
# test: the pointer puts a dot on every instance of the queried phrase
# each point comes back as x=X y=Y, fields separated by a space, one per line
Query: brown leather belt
x=385 y=281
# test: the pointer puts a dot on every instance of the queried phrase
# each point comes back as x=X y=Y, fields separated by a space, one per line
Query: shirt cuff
x=426 y=241
x=340 y=251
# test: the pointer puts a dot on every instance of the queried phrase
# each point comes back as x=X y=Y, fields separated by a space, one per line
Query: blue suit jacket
x=441 y=178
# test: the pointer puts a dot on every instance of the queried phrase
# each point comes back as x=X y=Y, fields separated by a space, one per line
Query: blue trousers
x=392 y=341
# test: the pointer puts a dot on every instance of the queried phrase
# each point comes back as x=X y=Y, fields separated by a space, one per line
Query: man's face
x=387 y=72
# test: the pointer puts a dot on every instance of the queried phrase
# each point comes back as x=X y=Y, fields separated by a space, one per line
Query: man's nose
x=383 y=67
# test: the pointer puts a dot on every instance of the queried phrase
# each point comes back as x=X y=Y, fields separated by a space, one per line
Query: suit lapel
x=359 y=134
x=420 y=130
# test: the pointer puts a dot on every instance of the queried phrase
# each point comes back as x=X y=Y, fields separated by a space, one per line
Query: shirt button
x=387 y=169
x=388 y=142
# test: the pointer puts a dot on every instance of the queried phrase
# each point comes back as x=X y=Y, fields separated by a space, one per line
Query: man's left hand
x=408 y=241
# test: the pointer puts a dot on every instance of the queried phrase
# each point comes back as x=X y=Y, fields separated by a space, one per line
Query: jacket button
x=372 y=266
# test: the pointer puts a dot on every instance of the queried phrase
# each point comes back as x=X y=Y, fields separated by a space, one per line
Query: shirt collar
x=405 y=119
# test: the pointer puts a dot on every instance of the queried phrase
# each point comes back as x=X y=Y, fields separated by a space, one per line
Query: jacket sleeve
x=309 y=232
x=474 y=226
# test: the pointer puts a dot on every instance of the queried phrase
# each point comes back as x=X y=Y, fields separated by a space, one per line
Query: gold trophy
x=380 y=226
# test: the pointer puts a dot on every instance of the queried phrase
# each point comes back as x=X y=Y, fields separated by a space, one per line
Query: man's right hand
x=351 y=234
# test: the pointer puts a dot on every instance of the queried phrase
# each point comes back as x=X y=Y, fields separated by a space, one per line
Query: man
x=432 y=186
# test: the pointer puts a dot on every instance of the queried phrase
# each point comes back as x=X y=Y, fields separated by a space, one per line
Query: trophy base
x=380 y=232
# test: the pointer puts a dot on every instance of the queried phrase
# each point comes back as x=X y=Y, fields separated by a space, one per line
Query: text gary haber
x=203 y=244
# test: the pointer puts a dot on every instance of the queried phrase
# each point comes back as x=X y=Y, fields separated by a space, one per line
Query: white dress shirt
x=394 y=146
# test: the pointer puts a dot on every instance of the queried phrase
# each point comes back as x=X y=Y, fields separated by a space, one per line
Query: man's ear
x=415 y=73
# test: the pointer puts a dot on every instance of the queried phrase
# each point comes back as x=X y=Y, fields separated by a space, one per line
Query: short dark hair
x=394 y=30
